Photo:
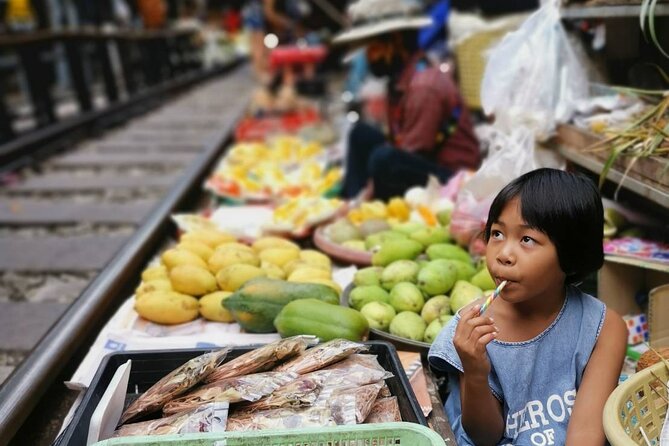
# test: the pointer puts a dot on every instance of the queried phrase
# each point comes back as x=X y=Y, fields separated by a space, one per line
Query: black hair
x=565 y=206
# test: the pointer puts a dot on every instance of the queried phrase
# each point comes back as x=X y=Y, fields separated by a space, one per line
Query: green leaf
x=642 y=15
x=651 y=27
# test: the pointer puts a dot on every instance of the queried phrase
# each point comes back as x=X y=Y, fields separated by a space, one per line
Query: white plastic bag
x=533 y=77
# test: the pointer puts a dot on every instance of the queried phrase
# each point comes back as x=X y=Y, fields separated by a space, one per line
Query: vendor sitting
x=431 y=130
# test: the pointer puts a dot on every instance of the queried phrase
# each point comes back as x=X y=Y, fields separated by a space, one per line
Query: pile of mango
x=207 y=266
x=414 y=298
x=372 y=223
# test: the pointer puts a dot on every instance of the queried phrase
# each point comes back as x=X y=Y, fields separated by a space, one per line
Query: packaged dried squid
x=360 y=398
x=321 y=356
x=233 y=390
x=284 y=418
x=176 y=383
x=356 y=370
x=302 y=392
x=210 y=417
x=262 y=358
x=384 y=410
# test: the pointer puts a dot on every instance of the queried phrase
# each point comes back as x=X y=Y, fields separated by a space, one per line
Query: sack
x=533 y=77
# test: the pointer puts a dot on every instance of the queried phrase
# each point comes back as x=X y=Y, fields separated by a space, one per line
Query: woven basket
x=471 y=59
x=639 y=404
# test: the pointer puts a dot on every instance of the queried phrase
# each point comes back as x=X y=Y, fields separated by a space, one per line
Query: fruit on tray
x=414 y=299
x=257 y=303
x=298 y=215
x=212 y=265
x=325 y=320
x=281 y=168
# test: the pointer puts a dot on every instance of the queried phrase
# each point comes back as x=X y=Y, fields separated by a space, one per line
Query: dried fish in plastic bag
x=174 y=384
x=210 y=417
x=262 y=358
x=361 y=398
x=300 y=393
x=284 y=418
x=240 y=388
x=321 y=356
x=384 y=410
x=356 y=370
x=385 y=392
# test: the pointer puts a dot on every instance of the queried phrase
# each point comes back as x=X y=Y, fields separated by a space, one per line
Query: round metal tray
x=339 y=252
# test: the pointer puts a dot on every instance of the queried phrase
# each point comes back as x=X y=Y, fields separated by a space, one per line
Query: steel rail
x=24 y=150
x=23 y=390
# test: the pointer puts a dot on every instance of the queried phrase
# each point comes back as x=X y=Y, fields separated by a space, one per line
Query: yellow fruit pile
x=207 y=266
x=283 y=167
x=395 y=211
x=297 y=215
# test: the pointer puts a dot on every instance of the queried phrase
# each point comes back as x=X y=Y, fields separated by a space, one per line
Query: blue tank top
x=536 y=380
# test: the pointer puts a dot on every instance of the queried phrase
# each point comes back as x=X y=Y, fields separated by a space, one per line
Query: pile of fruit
x=207 y=266
x=400 y=215
x=285 y=167
x=414 y=299
x=297 y=216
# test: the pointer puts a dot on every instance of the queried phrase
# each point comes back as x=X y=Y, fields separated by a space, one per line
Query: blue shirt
x=536 y=380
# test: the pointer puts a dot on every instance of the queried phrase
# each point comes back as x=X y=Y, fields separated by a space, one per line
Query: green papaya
x=321 y=319
x=257 y=303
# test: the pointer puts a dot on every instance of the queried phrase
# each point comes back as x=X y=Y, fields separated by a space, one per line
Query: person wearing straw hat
x=430 y=128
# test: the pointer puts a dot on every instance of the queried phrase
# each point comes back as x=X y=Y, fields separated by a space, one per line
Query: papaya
x=256 y=303
x=321 y=319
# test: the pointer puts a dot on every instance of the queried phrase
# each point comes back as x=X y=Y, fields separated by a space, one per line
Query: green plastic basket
x=382 y=434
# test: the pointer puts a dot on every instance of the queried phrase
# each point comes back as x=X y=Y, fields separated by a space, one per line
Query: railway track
x=75 y=232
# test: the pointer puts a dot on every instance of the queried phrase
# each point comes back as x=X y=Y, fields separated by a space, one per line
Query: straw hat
x=373 y=17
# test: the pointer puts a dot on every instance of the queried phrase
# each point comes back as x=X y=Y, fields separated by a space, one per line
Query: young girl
x=537 y=367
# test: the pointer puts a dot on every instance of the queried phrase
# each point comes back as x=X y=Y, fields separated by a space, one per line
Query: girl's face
x=526 y=258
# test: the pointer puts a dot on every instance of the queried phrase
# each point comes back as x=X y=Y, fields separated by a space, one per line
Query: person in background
x=430 y=130
x=538 y=365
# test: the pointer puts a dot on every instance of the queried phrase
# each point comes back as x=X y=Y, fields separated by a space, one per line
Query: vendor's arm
x=274 y=17
x=423 y=116
x=482 y=416
x=599 y=380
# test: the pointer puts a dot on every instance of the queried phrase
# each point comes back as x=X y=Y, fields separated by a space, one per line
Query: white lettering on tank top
x=536 y=416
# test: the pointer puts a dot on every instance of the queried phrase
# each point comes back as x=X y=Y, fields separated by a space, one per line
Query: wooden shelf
x=609 y=11
x=571 y=139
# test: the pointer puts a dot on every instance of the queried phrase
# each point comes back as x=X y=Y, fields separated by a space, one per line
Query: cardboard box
x=620 y=279
x=658 y=316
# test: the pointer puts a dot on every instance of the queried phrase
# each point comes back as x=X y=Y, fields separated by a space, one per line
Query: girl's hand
x=472 y=335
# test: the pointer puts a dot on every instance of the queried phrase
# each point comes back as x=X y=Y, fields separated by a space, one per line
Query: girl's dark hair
x=565 y=206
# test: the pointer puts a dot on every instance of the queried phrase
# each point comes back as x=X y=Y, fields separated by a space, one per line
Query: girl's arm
x=599 y=380
x=482 y=416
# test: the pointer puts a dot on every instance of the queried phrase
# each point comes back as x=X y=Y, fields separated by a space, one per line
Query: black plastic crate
x=150 y=366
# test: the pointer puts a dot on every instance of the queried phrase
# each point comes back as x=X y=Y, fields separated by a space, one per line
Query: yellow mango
x=232 y=277
x=273 y=271
x=161 y=284
x=264 y=243
x=307 y=272
x=212 y=309
x=167 y=307
x=279 y=256
x=199 y=248
x=234 y=246
x=210 y=237
x=222 y=258
x=174 y=257
x=313 y=257
x=154 y=272
x=192 y=280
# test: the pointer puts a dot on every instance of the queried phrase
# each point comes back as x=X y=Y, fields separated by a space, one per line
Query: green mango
x=483 y=280
x=399 y=271
x=448 y=251
x=437 y=277
x=368 y=276
x=392 y=250
x=362 y=295
x=430 y=236
x=381 y=237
